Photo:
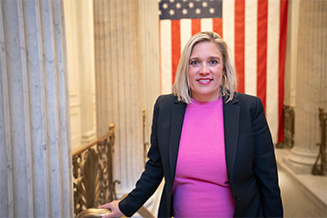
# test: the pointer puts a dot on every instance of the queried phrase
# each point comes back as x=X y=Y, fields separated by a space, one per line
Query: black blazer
x=250 y=158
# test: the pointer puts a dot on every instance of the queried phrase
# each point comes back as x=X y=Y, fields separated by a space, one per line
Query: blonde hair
x=181 y=87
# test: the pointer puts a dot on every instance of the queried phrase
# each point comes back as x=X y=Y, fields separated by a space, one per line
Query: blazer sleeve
x=151 y=176
x=264 y=164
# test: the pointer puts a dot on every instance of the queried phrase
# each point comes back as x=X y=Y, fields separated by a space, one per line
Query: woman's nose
x=204 y=69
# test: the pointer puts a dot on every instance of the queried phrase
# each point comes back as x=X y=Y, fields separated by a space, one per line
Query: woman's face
x=205 y=72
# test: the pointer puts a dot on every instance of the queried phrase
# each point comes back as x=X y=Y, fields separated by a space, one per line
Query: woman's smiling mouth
x=204 y=81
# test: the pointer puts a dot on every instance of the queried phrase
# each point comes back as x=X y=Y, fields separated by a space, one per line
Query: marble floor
x=303 y=195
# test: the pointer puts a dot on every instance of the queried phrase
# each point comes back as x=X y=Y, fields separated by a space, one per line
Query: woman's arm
x=264 y=164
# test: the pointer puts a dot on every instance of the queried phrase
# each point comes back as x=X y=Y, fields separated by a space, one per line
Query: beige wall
x=80 y=58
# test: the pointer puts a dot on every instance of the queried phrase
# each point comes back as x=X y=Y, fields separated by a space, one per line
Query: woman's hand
x=113 y=207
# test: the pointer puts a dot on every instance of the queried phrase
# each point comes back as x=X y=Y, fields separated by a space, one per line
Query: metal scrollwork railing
x=93 y=173
x=145 y=144
x=320 y=169
x=288 y=116
x=288 y=126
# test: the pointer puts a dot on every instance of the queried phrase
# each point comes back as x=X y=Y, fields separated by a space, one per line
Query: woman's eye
x=194 y=62
x=213 y=62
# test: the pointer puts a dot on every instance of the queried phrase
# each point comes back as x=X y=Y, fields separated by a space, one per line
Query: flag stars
x=171 y=12
x=184 y=9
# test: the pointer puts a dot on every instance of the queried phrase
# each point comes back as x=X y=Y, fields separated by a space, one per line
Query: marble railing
x=320 y=166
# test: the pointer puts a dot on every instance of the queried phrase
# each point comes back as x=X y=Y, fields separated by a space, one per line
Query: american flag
x=255 y=31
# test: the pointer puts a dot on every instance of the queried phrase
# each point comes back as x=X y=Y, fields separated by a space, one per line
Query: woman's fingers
x=113 y=208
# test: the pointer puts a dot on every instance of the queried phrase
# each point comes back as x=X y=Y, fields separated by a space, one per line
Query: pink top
x=201 y=187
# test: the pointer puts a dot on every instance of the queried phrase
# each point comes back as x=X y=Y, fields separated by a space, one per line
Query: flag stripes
x=282 y=57
x=262 y=50
x=239 y=27
x=250 y=38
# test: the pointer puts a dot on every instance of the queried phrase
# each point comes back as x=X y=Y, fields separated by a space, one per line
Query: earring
x=223 y=81
x=222 y=85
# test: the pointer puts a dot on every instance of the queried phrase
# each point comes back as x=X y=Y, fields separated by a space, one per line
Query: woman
x=212 y=145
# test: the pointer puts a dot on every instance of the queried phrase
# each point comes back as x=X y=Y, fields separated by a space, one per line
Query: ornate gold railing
x=320 y=169
x=145 y=143
x=93 y=177
x=93 y=173
x=289 y=120
x=288 y=116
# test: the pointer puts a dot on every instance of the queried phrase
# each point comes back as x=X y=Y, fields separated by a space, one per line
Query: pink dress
x=201 y=187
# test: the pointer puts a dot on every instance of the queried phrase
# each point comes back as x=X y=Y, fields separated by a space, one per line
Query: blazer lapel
x=177 y=118
x=231 y=127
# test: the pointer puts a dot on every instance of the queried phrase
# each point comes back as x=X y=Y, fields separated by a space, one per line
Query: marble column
x=127 y=79
x=35 y=153
x=311 y=80
x=149 y=44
